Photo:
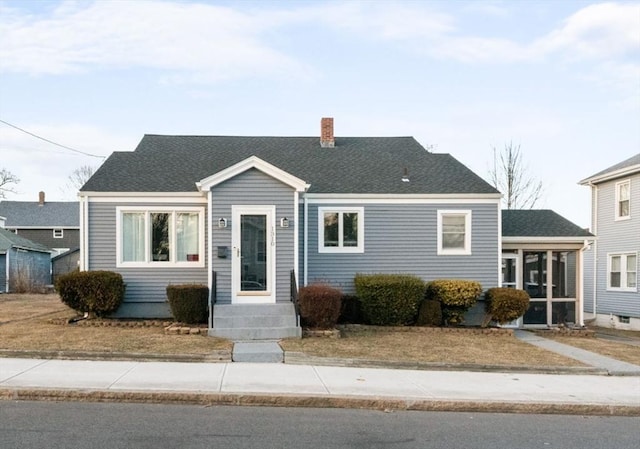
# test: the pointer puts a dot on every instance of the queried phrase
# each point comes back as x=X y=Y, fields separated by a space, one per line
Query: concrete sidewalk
x=317 y=386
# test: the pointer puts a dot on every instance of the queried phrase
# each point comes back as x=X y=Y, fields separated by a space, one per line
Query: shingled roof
x=163 y=163
x=623 y=168
x=10 y=240
x=51 y=214
x=539 y=223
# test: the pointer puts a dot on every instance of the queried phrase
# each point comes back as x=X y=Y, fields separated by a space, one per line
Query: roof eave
x=626 y=171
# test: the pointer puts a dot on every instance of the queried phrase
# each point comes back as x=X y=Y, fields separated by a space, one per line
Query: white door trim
x=253 y=297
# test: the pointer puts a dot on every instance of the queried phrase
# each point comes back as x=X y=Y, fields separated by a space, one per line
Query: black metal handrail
x=212 y=296
x=294 y=295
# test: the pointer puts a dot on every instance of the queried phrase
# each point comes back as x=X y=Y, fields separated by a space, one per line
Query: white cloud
x=596 y=31
x=210 y=42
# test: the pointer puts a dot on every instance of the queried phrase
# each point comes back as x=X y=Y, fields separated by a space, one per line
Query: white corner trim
x=253 y=162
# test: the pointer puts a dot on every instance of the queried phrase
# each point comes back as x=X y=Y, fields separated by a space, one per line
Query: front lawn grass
x=433 y=347
x=24 y=325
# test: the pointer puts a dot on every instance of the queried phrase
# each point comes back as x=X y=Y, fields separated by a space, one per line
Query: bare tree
x=6 y=178
x=79 y=177
x=509 y=175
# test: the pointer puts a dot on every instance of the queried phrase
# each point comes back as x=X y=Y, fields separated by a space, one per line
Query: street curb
x=300 y=358
x=219 y=356
x=315 y=401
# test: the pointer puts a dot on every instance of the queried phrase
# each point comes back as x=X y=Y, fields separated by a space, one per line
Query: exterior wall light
x=222 y=223
x=284 y=222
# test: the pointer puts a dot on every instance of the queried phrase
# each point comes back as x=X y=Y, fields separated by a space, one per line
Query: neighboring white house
x=612 y=297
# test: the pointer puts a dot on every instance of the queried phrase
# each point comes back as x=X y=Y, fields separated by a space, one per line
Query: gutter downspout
x=6 y=290
x=306 y=240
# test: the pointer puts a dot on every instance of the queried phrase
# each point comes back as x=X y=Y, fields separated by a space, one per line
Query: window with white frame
x=454 y=232
x=58 y=233
x=340 y=229
x=152 y=237
x=623 y=200
x=623 y=272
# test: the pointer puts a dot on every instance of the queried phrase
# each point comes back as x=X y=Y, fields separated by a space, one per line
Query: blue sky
x=560 y=78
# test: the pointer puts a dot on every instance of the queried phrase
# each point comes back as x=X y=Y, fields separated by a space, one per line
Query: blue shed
x=24 y=265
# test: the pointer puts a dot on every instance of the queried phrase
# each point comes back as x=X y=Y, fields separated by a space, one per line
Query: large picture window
x=623 y=199
x=157 y=237
x=623 y=272
x=454 y=232
x=340 y=229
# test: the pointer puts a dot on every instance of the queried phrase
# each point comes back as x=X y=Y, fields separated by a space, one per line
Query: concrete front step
x=255 y=321
x=257 y=352
x=256 y=333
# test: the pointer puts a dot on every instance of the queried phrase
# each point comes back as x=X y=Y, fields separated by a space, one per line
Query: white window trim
x=340 y=249
x=172 y=263
x=618 y=217
x=623 y=272
x=467 y=233
x=60 y=236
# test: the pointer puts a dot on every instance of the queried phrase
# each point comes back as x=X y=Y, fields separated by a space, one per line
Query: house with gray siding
x=255 y=217
x=54 y=224
x=24 y=265
x=612 y=298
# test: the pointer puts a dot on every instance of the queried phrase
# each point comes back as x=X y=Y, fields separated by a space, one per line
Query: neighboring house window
x=623 y=198
x=341 y=229
x=623 y=272
x=58 y=233
x=454 y=232
x=160 y=237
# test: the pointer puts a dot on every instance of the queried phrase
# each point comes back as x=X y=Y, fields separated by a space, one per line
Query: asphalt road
x=116 y=425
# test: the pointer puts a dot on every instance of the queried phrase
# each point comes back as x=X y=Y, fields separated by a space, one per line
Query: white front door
x=254 y=254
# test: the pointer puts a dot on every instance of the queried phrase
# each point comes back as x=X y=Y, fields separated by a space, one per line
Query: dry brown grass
x=617 y=350
x=440 y=347
x=24 y=325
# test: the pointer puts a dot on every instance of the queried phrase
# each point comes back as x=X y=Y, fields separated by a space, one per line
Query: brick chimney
x=41 y=199
x=326 y=133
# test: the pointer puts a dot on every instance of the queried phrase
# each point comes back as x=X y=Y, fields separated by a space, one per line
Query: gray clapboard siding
x=146 y=287
x=402 y=238
x=254 y=188
x=622 y=236
x=70 y=237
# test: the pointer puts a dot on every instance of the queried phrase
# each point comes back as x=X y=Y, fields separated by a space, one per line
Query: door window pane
x=133 y=237
x=187 y=228
x=253 y=229
x=160 y=237
x=509 y=272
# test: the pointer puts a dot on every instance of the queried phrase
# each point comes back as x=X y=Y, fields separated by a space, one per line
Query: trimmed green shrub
x=351 y=311
x=456 y=295
x=506 y=304
x=189 y=302
x=98 y=293
x=320 y=306
x=430 y=313
x=389 y=299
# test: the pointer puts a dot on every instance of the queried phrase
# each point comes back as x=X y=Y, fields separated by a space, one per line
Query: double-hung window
x=160 y=237
x=454 y=232
x=623 y=272
x=341 y=229
x=623 y=200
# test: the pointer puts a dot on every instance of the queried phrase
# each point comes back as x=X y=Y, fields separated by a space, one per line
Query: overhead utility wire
x=51 y=141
